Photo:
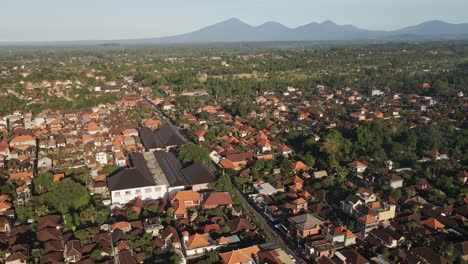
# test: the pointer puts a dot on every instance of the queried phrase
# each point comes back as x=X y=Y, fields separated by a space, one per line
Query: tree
x=89 y=214
x=43 y=182
x=96 y=254
x=191 y=153
x=108 y=169
x=335 y=146
x=66 y=195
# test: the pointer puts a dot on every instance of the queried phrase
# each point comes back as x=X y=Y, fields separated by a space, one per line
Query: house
x=433 y=224
x=197 y=244
x=393 y=181
x=358 y=167
x=422 y=184
x=4 y=225
x=265 y=188
x=320 y=174
x=18 y=256
x=425 y=255
x=239 y=225
x=120 y=159
x=214 y=200
x=385 y=238
x=123 y=225
x=153 y=226
x=285 y=150
x=72 y=252
x=317 y=246
x=22 y=141
x=182 y=200
x=275 y=256
x=264 y=145
x=44 y=164
x=200 y=134
x=349 y=256
x=463 y=177
x=101 y=158
x=300 y=166
x=304 y=225
x=151 y=123
x=171 y=237
x=339 y=235
x=240 y=256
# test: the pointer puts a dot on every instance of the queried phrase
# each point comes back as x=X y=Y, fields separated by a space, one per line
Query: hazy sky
x=37 y=20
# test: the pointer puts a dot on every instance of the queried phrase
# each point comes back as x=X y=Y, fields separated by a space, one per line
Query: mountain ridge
x=235 y=30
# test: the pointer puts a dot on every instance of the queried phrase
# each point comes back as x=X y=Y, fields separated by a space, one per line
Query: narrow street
x=277 y=239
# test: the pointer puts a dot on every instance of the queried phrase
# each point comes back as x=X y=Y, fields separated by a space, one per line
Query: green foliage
x=109 y=169
x=66 y=195
x=96 y=255
x=191 y=153
x=43 y=182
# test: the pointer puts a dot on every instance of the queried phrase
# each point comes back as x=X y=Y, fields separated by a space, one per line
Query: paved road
x=278 y=240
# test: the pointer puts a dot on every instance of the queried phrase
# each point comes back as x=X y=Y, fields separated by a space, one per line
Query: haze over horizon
x=55 y=20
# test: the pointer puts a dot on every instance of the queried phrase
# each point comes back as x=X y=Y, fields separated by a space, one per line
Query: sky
x=52 y=20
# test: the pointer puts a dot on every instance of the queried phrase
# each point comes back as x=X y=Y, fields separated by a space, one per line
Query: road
x=278 y=240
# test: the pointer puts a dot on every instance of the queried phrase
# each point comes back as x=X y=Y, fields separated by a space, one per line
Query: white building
x=101 y=158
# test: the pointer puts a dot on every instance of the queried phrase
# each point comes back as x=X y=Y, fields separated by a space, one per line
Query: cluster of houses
x=175 y=208
x=304 y=215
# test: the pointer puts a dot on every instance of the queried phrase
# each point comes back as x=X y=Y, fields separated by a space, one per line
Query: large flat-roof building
x=165 y=138
x=154 y=175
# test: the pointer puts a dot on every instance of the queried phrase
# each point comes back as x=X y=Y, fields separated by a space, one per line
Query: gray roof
x=129 y=178
x=163 y=137
x=136 y=177
x=171 y=167
x=169 y=136
x=148 y=138
x=158 y=168
x=198 y=174
x=305 y=221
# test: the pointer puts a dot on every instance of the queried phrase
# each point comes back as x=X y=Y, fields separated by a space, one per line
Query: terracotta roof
x=357 y=164
x=218 y=199
x=197 y=240
x=227 y=164
x=367 y=219
x=58 y=177
x=186 y=196
x=223 y=240
x=433 y=223
x=20 y=139
x=300 y=166
x=239 y=225
x=121 y=225
x=243 y=255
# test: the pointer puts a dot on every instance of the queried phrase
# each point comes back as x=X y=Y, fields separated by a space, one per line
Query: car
x=292 y=258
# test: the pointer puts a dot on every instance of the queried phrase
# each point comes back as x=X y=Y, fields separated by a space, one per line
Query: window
x=148 y=190
x=128 y=192
x=138 y=191
x=157 y=189
x=117 y=194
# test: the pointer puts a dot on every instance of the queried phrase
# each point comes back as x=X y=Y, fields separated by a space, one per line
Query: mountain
x=436 y=28
x=234 y=30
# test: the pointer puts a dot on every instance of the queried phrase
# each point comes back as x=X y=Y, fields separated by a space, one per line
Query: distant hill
x=234 y=30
